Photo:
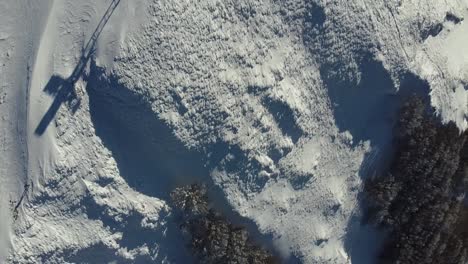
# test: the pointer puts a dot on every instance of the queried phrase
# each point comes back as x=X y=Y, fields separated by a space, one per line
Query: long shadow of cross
x=63 y=89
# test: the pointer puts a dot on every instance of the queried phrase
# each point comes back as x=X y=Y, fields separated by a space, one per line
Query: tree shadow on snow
x=150 y=158
x=369 y=111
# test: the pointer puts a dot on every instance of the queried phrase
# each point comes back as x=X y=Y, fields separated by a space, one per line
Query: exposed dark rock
x=435 y=28
x=432 y=30
x=453 y=18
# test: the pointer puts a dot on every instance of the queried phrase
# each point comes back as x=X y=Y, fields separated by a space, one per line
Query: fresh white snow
x=449 y=74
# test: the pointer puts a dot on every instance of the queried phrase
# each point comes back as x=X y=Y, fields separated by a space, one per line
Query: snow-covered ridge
x=282 y=106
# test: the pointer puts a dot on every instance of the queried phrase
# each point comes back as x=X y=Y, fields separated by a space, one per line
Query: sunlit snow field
x=283 y=108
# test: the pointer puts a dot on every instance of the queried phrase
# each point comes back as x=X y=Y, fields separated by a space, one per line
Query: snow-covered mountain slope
x=283 y=107
x=18 y=45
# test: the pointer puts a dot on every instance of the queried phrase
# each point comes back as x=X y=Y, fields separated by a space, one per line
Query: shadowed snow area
x=150 y=158
x=365 y=100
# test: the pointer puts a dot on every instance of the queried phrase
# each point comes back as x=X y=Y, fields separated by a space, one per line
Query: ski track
x=17 y=56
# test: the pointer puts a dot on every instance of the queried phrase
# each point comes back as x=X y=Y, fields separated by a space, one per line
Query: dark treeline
x=420 y=202
x=213 y=239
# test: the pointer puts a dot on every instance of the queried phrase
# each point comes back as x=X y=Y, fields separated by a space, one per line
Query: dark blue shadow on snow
x=369 y=111
x=63 y=89
x=153 y=161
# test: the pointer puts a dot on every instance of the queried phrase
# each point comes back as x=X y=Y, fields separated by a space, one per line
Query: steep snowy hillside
x=281 y=107
x=18 y=45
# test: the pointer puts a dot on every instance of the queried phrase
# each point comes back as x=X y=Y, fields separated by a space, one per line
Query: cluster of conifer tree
x=213 y=238
x=420 y=202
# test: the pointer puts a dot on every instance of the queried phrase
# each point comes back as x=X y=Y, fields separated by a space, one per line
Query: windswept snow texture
x=282 y=107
